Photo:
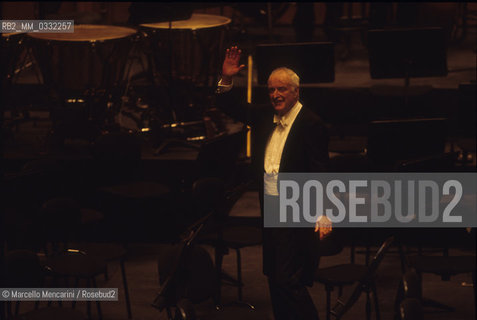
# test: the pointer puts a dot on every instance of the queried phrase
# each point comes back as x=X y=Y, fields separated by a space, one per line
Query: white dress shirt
x=274 y=148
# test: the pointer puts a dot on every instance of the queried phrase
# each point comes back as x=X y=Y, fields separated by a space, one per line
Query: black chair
x=60 y=220
x=409 y=289
x=224 y=233
x=109 y=252
x=186 y=274
x=412 y=285
x=361 y=276
x=238 y=235
x=436 y=259
x=74 y=257
x=411 y=309
x=22 y=269
x=428 y=249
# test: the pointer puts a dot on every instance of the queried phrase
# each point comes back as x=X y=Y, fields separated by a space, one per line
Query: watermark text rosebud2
x=373 y=200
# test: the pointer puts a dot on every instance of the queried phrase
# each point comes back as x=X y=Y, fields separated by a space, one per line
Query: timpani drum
x=12 y=56
x=195 y=44
x=84 y=73
x=91 y=58
x=11 y=51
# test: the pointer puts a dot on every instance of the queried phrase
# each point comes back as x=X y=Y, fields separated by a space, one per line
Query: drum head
x=87 y=32
x=11 y=34
x=190 y=49
x=196 y=21
x=93 y=57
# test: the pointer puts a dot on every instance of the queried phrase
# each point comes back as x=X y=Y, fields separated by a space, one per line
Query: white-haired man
x=286 y=138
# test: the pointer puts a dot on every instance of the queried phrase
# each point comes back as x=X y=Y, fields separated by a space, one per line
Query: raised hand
x=231 y=64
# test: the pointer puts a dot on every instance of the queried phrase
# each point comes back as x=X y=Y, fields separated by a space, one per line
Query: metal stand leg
x=239 y=274
x=328 y=301
x=375 y=301
x=98 y=304
x=126 y=289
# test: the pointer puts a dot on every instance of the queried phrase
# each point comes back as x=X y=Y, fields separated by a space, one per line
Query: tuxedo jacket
x=289 y=254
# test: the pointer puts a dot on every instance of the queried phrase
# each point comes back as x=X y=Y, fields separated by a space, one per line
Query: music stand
x=406 y=53
x=391 y=140
x=314 y=62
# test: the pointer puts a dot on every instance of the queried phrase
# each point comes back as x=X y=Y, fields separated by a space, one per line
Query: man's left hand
x=323 y=226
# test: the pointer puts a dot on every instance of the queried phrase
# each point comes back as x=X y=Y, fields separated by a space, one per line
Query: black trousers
x=289 y=269
x=291 y=302
x=290 y=257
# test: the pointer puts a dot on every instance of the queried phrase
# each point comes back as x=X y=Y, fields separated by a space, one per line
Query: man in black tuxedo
x=287 y=137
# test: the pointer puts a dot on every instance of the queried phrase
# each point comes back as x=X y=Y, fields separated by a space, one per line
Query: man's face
x=283 y=95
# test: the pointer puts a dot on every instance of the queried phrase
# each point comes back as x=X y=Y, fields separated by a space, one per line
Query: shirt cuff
x=222 y=88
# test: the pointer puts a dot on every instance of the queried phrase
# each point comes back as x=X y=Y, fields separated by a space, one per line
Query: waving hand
x=231 y=64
